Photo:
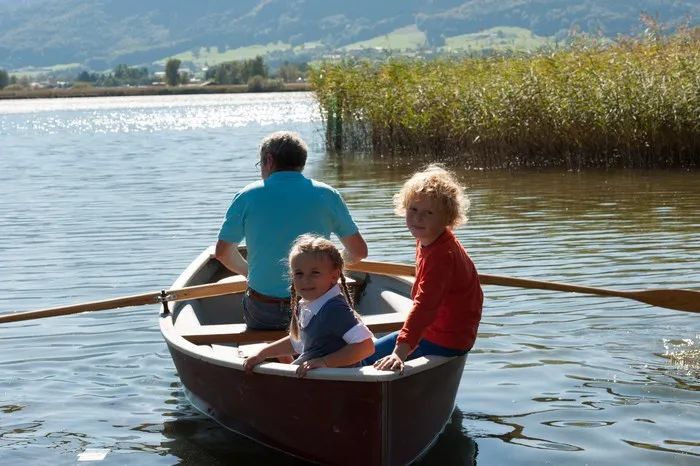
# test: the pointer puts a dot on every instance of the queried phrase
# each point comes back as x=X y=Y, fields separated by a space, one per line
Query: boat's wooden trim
x=238 y=333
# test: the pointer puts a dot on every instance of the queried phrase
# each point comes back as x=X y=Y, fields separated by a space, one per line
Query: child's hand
x=389 y=363
x=306 y=366
x=251 y=362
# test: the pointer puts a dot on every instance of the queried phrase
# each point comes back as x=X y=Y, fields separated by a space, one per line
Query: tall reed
x=635 y=103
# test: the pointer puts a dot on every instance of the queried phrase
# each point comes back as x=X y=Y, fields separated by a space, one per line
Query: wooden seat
x=238 y=333
x=351 y=282
x=232 y=279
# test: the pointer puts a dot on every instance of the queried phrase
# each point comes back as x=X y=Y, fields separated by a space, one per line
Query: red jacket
x=447 y=296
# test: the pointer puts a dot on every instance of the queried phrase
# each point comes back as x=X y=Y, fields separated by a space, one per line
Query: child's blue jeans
x=384 y=346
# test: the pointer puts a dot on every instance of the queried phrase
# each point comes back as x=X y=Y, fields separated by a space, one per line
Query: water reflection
x=133 y=115
x=195 y=439
x=685 y=355
x=453 y=447
x=515 y=434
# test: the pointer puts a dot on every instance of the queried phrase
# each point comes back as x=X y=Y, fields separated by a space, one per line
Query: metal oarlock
x=163 y=299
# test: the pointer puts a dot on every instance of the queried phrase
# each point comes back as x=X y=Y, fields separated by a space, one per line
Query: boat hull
x=332 y=416
x=327 y=421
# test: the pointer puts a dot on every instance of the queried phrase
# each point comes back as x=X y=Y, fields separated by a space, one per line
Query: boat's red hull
x=327 y=421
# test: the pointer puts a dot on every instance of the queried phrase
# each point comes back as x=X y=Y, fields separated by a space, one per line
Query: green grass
x=211 y=56
x=498 y=38
x=46 y=70
x=406 y=38
x=635 y=103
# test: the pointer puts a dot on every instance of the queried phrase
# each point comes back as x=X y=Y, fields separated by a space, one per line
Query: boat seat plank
x=240 y=278
x=232 y=279
x=238 y=333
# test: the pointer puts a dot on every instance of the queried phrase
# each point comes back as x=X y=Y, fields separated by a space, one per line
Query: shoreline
x=139 y=91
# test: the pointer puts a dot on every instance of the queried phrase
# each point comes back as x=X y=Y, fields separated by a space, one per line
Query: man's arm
x=228 y=254
x=355 y=248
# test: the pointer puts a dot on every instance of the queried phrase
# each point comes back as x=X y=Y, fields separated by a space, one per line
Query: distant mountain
x=98 y=34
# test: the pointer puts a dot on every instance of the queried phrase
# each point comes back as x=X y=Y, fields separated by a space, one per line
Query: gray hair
x=287 y=149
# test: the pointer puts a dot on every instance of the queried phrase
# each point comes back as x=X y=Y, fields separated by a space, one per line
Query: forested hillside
x=98 y=34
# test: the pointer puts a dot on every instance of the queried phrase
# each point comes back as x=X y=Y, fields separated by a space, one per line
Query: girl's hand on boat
x=389 y=363
x=306 y=366
x=251 y=362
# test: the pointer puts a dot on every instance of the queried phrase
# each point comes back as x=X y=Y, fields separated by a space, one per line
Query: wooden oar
x=682 y=300
x=178 y=294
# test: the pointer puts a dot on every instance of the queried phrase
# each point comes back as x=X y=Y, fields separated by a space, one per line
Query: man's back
x=271 y=213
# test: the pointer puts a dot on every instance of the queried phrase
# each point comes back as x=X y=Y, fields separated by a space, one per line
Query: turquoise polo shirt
x=270 y=214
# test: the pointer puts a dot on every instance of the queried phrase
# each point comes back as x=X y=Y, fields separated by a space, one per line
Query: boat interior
x=383 y=301
x=213 y=327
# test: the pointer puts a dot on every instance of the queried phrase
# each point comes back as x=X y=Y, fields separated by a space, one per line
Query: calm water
x=108 y=197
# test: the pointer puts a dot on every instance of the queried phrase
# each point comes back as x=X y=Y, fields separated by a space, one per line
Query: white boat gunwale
x=215 y=355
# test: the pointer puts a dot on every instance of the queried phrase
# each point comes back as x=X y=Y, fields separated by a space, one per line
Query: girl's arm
x=281 y=347
x=347 y=355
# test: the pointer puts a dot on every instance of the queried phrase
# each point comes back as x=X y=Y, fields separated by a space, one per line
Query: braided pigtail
x=348 y=296
x=346 y=291
x=294 y=307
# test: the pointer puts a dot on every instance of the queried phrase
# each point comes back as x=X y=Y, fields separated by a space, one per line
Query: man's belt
x=251 y=293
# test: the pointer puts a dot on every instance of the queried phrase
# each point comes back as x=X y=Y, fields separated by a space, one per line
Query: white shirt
x=308 y=309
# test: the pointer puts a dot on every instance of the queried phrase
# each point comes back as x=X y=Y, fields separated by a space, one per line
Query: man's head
x=282 y=151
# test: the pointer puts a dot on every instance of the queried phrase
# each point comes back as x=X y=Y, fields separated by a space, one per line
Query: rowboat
x=331 y=416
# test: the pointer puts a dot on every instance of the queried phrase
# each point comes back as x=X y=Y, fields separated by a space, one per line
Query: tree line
x=253 y=72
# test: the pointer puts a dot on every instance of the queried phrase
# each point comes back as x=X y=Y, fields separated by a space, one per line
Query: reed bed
x=635 y=103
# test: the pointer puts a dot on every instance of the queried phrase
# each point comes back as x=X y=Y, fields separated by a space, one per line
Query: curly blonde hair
x=439 y=184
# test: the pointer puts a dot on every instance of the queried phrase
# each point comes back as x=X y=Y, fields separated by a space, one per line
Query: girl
x=447 y=296
x=325 y=331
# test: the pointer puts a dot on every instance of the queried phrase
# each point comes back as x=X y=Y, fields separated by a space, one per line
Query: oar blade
x=680 y=300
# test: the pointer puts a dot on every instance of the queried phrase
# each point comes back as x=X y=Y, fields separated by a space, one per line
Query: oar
x=178 y=294
x=682 y=300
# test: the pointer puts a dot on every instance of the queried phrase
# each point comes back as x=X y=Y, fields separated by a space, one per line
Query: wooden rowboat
x=333 y=415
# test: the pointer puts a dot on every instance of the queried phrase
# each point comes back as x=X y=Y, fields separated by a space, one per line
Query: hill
x=100 y=34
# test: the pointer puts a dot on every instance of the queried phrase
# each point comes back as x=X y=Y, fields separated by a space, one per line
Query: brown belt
x=251 y=293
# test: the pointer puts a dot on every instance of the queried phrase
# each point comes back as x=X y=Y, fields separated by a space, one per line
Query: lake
x=110 y=197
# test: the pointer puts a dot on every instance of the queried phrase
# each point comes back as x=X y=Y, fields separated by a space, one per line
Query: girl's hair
x=438 y=184
x=320 y=247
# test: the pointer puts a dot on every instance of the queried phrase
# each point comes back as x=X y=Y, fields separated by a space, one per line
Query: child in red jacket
x=447 y=296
